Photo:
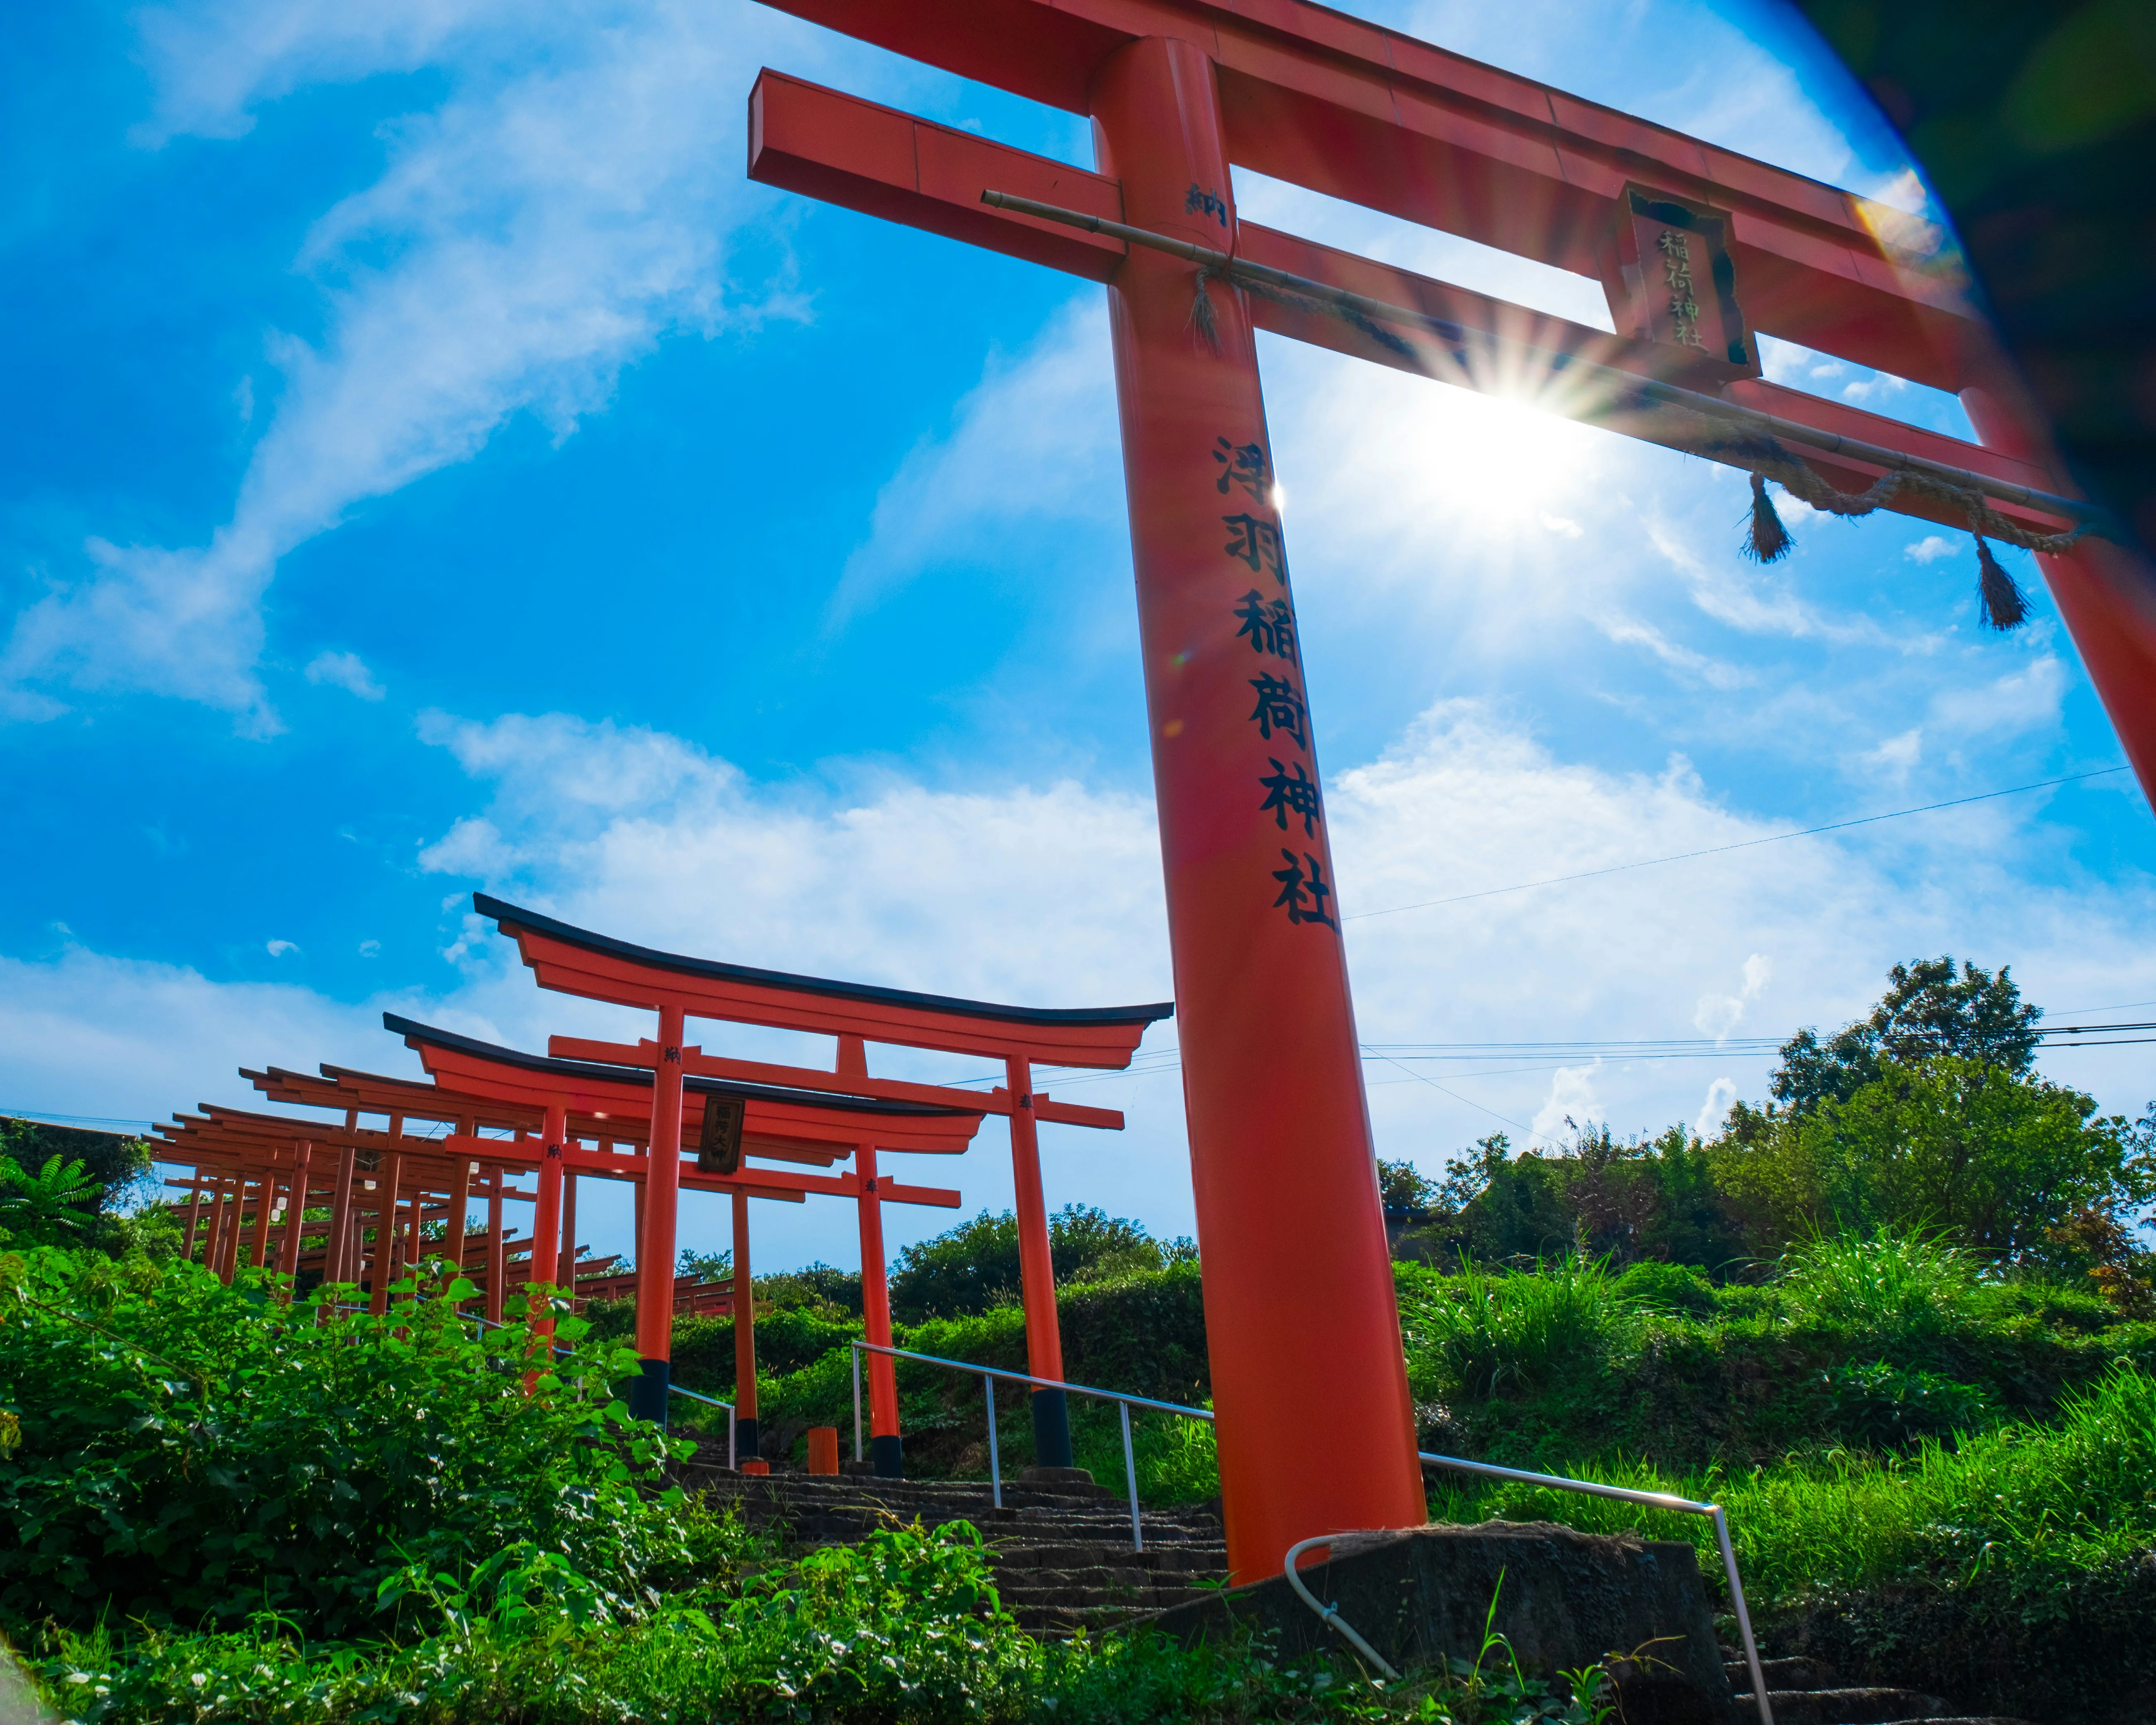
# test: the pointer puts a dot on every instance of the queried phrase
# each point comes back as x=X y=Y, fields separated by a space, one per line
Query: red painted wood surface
x=1282 y=1165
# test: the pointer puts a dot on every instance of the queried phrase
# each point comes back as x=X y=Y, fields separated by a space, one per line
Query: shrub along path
x=1061 y=1551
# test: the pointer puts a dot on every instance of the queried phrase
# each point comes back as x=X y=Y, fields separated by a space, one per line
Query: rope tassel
x=1201 y=314
x=2000 y=599
x=1769 y=541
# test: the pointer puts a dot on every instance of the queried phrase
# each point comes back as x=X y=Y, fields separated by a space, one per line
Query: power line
x=1836 y=826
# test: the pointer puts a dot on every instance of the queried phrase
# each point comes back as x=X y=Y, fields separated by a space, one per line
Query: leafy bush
x=193 y=1453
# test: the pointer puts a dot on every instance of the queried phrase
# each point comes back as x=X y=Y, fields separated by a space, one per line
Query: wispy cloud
x=568 y=205
x=345 y=670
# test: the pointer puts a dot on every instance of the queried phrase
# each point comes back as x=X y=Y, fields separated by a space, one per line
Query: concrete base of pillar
x=744 y=1441
x=647 y=1392
x=1051 y=1427
x=1564 y=1598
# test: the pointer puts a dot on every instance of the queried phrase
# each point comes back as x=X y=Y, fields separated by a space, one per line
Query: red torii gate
x=796 y=1124
x=1178 y=90
x=577 y=960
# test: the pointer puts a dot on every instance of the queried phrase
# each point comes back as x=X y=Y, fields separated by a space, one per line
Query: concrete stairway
x=1063 y=1560
x=1061 y=1547
x=1802 y=1692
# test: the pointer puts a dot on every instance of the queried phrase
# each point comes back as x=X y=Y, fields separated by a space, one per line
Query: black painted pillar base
x=647 y=1392
x=745 y=1448
x=887 y=1456
x=1052 y=1429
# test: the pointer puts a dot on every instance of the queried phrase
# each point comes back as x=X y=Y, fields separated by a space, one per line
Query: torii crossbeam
x=1178 y=90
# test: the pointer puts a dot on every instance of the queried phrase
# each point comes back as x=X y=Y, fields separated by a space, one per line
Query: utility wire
x=1741 y=844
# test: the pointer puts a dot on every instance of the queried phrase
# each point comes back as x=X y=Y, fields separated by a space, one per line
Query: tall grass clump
x=1483 y=1333
x=1885 y=1288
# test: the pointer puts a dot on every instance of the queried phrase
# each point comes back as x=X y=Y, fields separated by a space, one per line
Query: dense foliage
x=187 y=1453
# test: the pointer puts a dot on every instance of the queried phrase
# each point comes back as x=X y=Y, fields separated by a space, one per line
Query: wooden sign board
x=719 y=1152
x=1671 y=281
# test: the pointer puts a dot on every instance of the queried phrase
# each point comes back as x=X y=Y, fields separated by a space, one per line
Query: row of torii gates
x=746 y=1128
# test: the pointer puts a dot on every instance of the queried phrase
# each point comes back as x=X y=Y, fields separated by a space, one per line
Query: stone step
x=1780 y=1674
x=1846 y=1707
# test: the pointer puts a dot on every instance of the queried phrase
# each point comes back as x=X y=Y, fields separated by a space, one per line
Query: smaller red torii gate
x=624 y=1102
x=577 y=960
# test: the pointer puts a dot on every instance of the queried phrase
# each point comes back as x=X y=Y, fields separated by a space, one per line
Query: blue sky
x=433 y=466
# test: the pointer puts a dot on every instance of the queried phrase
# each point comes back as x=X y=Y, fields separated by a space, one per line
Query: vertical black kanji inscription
x=1257 y=543
x=1279 y=708
x=1244 y=465
x=1303 y=895
x=1291 y=791
x=1268 y=624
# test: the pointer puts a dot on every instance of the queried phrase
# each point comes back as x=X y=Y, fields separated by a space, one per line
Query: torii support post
x=745 y=1427
x=546 y=1217
x=1282 y=1167
x=1036 y=1262
x=654 y=1251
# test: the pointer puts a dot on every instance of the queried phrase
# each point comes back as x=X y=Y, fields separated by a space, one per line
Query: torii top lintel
x=1359 y=112
x=778 y=1119
x=575 y=961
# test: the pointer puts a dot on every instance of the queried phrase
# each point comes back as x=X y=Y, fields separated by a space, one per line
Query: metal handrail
x=989 y=1375
x=1655 y=1500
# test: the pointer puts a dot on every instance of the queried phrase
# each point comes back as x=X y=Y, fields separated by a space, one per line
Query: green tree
x=1928 y=1011
x=976 y=1264
x=1403 y=1186
x=1995 y=1160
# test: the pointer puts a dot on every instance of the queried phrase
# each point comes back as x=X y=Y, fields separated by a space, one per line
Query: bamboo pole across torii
x=1621 y=383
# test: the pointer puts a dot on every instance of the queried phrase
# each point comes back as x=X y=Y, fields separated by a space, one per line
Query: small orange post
x=823 y=1449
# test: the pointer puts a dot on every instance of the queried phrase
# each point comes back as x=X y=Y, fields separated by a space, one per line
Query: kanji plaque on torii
x=1314 y=1424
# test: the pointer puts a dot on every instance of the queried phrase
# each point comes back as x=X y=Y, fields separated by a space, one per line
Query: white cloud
x=1715 y=1110
x=1930 y=549
x=2021 y=701
x=1897 y=756
x=569 y=204
x=1718 y=1015
x=1571 y=1104
x=1035 y=440
x=1628 y=631
x=345 y=670
x=370 y=949
x=278 y=949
